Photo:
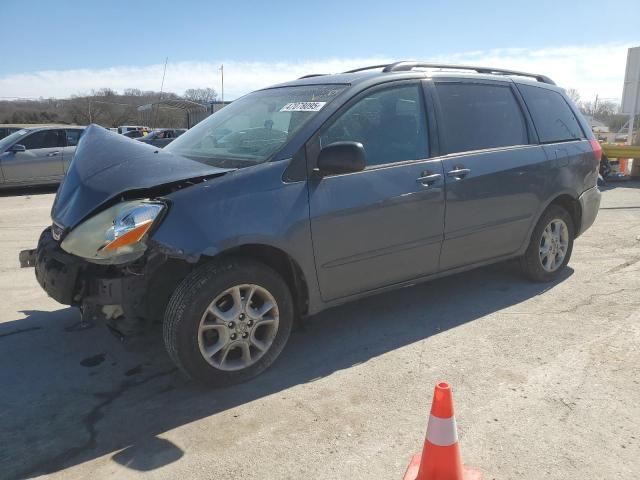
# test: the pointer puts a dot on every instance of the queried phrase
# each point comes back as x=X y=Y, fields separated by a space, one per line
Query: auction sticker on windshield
x=303 y=107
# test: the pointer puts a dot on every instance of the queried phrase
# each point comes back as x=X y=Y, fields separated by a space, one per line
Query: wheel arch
x=279 y=260
x=565 y=200
x=572 y=206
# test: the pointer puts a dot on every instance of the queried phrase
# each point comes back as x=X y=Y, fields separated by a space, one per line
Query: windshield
x=8 y=140
x=251 y=129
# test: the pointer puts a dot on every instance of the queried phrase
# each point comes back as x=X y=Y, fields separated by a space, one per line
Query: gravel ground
x=545 y=377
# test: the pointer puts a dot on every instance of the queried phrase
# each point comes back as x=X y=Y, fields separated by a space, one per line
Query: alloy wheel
x=553 y=245
x=238 y=327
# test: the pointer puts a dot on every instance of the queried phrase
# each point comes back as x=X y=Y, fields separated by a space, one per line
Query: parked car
x=321 y=191
x=37 y=155
x=124 y=129
x=6 y=130
x=163 y=137
x=134 y=134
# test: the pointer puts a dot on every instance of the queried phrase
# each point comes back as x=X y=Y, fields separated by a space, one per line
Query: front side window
x=253 y=128
x=44 y=139
x=552 y=116
x=390 y=124
x=478 y=116
x=13 y=138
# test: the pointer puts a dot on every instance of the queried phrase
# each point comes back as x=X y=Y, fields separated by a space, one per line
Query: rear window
x=479 y=116
x=554 y=120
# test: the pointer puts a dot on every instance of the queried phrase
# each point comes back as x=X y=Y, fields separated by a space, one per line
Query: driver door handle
x=53 y=154
x=458 y=172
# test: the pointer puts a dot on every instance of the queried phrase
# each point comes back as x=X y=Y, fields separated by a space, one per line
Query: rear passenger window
x=390 y=124
x=73 y=136
x=553 y=118
x=478 y=116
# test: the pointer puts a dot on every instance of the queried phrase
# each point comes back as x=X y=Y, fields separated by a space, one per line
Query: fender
x=251 y=207
x=551 y=199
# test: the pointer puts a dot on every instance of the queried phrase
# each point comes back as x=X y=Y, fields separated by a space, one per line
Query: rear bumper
x=589 y=203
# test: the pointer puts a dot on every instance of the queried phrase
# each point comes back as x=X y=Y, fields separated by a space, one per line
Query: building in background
x=193 y=112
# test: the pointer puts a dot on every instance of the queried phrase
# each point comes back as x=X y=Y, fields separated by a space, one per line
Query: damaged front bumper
x=116 y=294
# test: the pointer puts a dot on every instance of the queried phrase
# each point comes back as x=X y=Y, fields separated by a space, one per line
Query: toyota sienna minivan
x=312 y=193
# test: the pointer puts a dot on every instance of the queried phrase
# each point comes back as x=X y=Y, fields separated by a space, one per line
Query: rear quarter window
x=553 y=118
x=478 y=116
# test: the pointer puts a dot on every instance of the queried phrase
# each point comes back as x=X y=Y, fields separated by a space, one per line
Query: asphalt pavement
x=545 y=377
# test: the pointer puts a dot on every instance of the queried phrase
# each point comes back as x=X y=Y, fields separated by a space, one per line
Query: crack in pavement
x=626 y=264
x=584 y=303
x=57 y=462
x=589 y=300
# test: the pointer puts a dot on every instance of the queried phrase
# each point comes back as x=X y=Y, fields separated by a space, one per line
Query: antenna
x=166 y=60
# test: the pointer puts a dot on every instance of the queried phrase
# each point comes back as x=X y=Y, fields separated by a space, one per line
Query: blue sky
x=94 y=36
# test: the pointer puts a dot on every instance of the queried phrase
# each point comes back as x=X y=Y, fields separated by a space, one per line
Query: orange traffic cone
x=440 y=457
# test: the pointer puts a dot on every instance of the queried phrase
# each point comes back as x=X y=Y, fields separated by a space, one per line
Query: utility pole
x=595 y=107
x=222 y=79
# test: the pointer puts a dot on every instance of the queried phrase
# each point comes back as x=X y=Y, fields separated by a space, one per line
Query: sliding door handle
x=458 y=173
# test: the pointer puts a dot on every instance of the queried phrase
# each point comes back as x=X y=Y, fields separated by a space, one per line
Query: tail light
x=597 y=149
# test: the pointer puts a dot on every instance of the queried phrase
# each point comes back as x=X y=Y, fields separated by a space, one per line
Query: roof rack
x=406 y=66
x=362 y=69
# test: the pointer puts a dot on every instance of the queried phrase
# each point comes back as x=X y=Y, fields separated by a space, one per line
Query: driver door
x=383 y=225
x=41 y=162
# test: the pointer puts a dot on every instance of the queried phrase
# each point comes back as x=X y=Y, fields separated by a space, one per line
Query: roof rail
x=407 y=66
x=362 y=69
x=312 y=75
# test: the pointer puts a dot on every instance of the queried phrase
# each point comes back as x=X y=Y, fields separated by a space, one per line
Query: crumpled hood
x=107 y=165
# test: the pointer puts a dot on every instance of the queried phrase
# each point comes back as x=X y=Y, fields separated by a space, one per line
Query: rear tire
x=215 y=329
x=550 y=246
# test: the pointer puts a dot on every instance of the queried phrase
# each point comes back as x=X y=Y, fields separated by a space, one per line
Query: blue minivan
x=312 y=193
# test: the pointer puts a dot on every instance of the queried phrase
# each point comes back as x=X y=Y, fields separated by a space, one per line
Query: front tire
x=550 y=246
x=228 y=321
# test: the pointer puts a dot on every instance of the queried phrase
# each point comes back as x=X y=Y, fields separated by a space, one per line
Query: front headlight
x=115 y=235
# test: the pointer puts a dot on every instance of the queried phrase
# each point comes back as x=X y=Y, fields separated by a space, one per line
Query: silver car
x=37 y=155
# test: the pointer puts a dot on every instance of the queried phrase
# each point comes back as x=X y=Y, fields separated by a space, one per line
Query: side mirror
x=17 y=148
x=341 y=157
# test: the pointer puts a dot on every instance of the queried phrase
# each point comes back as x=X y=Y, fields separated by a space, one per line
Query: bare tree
x=200 y=95
x=602 y=110
x=133 y=92
x=573 y=95
x=84 y=110
x=103 y=106
x=118 y=113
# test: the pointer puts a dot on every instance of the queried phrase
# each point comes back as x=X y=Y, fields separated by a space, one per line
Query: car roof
x=32 y=126
x=406 y=70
